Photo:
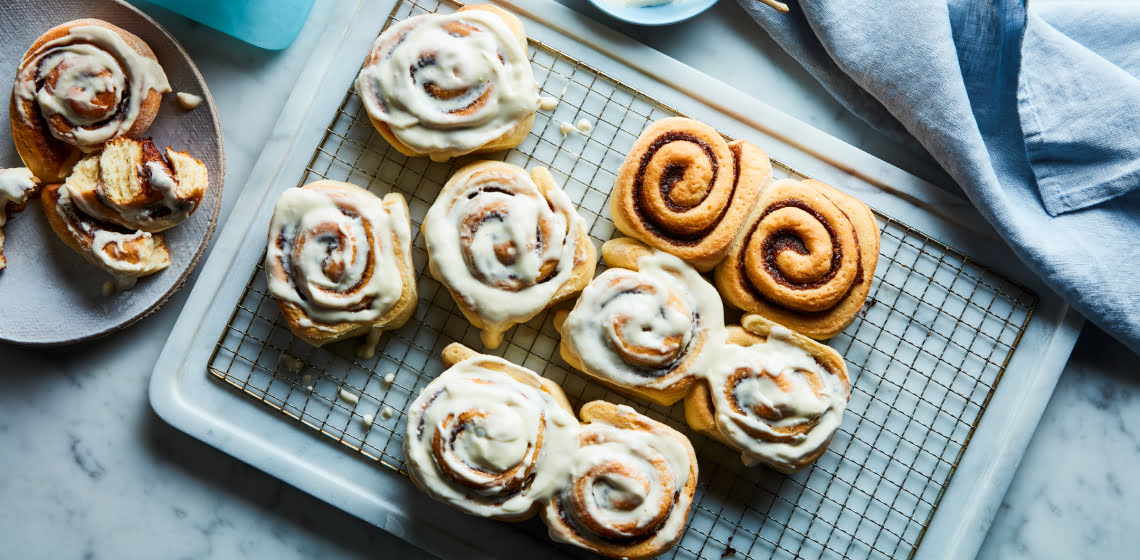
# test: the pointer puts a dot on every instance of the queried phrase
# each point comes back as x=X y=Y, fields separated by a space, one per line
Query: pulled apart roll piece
x=631 y=485
x=133 y=185
x=81 y=84
x=488 y=437
x=497 y=440
x=506 y=245
x=339 y=261
x=126 y=255
x=774 y=395
x=805 y=259
x=17 y=185
x=685 y=191
x=448 y=85
x=645 y=326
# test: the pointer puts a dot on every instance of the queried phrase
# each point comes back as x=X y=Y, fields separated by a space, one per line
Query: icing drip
x=648 y=327
x=89 y=85
x=775 y=401
x=16 y=184
x=332 y=253
x=449 y=83
x=188 y=101
x=500 y=242
x=487 y=443
x=548 y=103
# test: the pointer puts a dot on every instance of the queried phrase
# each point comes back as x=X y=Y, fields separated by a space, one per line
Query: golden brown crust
x=51 y=159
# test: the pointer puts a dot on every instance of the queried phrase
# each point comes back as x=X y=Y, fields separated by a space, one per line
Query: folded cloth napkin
x=1034 y=111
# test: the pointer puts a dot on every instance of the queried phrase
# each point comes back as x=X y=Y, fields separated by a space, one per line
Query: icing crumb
x=291 y=364
x=547 y=103
x=386 y=413
x=584 y=126
x=349 y=397
x=309 y=388
x=109 y=288
x=367 y=421
x=367 y=348
x=389 y=379
x=188 y=101
x=566 y=128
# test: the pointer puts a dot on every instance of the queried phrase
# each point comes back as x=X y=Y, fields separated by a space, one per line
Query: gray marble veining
x=91 y=472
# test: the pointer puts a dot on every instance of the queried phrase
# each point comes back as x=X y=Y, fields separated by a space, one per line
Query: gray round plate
x=48 y=294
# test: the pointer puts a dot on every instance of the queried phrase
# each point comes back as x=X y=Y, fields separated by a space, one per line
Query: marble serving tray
x=194 y=401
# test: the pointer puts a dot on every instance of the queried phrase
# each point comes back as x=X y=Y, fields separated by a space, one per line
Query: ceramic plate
x=49 y=295
x=671 y=12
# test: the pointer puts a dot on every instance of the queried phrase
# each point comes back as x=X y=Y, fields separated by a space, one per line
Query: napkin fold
x=1033 y=110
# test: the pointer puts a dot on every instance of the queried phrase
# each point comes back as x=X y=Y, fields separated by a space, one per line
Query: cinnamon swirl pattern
x=506 y=244
x=339 y=261
x=776 y=396
x=448 y=85
x=631 y=485
x=685 y=191
x=494 y=439
x=81 y=84
x=805 y=259
x=645 y=325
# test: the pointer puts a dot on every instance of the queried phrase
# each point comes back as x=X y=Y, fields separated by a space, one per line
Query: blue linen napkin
x=1033 y=110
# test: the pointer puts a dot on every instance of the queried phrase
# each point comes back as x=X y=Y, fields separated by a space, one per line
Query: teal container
x=269 y=24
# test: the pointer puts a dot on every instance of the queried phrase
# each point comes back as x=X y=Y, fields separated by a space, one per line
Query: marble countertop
x=90 y=471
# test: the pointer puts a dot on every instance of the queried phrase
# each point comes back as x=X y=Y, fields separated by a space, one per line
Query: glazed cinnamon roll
x=774 y=395
x=126 y=255
x=81 y=84
x=339 y=261
x=16 y=186
x=506 y=244
x=645 y=326
x=685 y=191
x=449 y=85
x=805 y=259
x=133 y=185
x=489 y=437
x=631 y=485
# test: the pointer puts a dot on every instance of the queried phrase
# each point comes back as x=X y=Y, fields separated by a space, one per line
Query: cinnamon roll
x=506 y=244
x=81 y=84
x=685 y=191
x=489 y=437
x=16 y=186
x=126 y=255
x=133 y=185
x=448 y=85
x=776 y=396
x=631 y=485
x=339 y=261
x=645 y=326
x=805 y=259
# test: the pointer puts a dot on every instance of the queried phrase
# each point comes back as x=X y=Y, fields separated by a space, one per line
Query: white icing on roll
x=646 y=328
x=487 y=443
x=96 y=73
x=500 y=243
x=775 y=401
x=449 y=83
x=334 y=255
x=107 y=246
x=15 y=186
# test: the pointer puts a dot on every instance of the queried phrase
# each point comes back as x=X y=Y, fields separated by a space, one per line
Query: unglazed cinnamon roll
x=631 y=485
x=489 y=437
x=805 y=259
x=448 y=85
x=776 y=396
x=126 y=255
x=131 y=184
x=506 y=244
x=81 y=84
x=685 y=191
x=645 y=326
x=16 y=186
x=339 y=261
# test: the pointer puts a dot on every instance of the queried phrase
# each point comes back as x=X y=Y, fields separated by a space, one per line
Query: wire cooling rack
x=925 y=354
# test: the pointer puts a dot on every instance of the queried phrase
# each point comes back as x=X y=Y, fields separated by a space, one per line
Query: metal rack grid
x=925 y=354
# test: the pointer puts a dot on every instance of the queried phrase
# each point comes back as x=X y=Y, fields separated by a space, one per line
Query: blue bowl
x=665 y=14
